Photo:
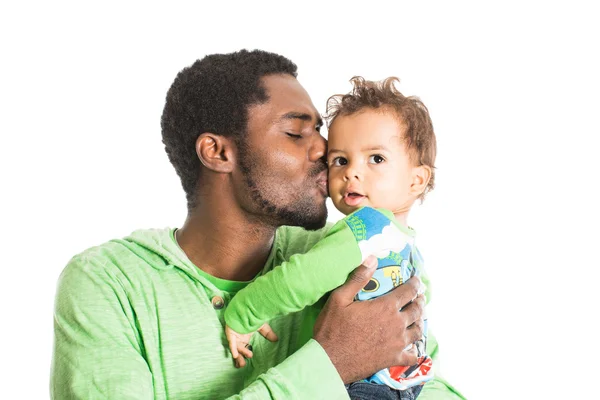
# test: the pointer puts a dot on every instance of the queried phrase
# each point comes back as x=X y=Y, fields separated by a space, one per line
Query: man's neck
x=222 y=241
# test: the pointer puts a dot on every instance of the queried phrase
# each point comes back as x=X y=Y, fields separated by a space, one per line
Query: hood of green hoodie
x=159 y=248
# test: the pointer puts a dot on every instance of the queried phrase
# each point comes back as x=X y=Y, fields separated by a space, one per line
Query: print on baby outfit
x=397 y=261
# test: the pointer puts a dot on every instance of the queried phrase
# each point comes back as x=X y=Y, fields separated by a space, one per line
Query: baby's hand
x=239 y=343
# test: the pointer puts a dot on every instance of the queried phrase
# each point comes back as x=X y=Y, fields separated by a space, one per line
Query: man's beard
x=304 y=212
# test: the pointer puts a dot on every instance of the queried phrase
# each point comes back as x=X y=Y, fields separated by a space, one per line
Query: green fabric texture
x=134 y=319
x=301 y=281
x=307 y=278
x=297 y=283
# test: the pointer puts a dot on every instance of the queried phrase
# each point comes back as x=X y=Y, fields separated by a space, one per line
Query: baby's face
x=368 y=163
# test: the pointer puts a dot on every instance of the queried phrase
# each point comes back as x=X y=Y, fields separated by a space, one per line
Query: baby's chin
x=345 y=208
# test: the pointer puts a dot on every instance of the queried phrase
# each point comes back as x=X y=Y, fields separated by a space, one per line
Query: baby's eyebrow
x=371 y=148
x=378 y=147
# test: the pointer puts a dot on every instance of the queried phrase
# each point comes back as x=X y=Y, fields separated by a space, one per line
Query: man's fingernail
x=370 y=262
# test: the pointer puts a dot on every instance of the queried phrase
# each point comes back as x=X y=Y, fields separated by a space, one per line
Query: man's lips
x=322 y=183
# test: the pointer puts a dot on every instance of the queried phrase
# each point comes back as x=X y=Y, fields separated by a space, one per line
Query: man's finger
x=268 y=333
x=415 y=331
x=413 y=312
x=407 y=292
x=357 y=280
x=408 y=357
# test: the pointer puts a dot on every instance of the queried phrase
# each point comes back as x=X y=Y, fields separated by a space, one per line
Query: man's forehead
x=288 y=100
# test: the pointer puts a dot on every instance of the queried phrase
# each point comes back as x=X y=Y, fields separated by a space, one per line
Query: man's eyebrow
x=302 y=116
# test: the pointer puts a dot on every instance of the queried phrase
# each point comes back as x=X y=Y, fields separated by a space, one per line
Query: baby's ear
x=420 y=178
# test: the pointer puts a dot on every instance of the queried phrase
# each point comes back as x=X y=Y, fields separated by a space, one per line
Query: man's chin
x=308 y=219
x=318 y=220
x=317 y=224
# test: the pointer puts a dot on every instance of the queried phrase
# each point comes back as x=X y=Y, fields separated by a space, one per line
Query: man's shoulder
x=117 y=257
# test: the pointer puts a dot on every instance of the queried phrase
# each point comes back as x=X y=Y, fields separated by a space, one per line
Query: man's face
x=283 y=175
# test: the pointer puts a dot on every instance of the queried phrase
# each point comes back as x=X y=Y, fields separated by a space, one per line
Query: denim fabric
x=373 y=391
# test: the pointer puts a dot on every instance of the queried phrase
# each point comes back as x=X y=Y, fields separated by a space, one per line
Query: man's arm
x=97 y=350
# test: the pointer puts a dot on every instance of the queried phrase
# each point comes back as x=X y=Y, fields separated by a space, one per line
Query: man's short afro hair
x=213 y=95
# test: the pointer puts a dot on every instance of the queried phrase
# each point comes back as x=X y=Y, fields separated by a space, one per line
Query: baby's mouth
x=354 y=195
x=353 y=198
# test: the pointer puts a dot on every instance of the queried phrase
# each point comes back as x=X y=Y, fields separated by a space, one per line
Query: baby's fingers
x=232 y=339
x=268 y=333
x=245 y=351
x=240 y=362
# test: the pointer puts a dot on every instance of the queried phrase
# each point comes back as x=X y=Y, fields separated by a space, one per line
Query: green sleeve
x=307 y=374
x=297 y=283
x=97 y=352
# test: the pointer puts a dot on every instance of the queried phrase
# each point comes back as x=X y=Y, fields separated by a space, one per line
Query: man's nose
x=318 y=149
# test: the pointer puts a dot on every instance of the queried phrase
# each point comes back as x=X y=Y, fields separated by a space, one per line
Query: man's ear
x=216 y=152
x=420 y=178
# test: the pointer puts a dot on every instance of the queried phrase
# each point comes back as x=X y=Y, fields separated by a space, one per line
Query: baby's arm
x=297 y=283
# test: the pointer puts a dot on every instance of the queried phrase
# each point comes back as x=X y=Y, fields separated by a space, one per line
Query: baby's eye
x=339 y=161
x=376 y=159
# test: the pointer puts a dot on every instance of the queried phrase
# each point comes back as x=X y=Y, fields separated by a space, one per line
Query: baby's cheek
x=383 y=187
x=387 y=194
x=333 y=181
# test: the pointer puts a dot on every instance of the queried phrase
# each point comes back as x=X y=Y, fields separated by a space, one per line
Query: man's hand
x=239 y=343
x=363 y=337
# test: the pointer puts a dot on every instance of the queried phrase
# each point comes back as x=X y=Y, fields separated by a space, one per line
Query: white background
x=509 y=234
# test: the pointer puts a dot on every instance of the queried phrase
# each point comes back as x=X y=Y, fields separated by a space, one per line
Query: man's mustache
x=319 y=167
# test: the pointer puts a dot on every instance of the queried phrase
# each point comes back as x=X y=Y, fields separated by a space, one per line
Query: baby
x=381 y=156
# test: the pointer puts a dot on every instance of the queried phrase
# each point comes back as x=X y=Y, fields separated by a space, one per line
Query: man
x=142 y=317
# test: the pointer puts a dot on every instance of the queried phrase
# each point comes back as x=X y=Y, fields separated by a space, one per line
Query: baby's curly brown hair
x=412 y=113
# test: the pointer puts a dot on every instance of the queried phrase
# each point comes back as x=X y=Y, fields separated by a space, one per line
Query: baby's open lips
x=352 y=198
x=353 y=194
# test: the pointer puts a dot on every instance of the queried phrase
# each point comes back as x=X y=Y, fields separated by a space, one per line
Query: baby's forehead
x=370 y=116
x=366 y=144
x=368 y=126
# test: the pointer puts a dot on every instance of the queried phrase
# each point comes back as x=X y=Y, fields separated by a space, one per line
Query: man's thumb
x=359 y=277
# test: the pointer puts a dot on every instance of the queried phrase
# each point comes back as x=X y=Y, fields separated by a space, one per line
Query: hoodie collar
x=162 y=243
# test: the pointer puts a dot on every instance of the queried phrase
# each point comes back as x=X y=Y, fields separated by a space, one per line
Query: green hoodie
x=135 y=319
